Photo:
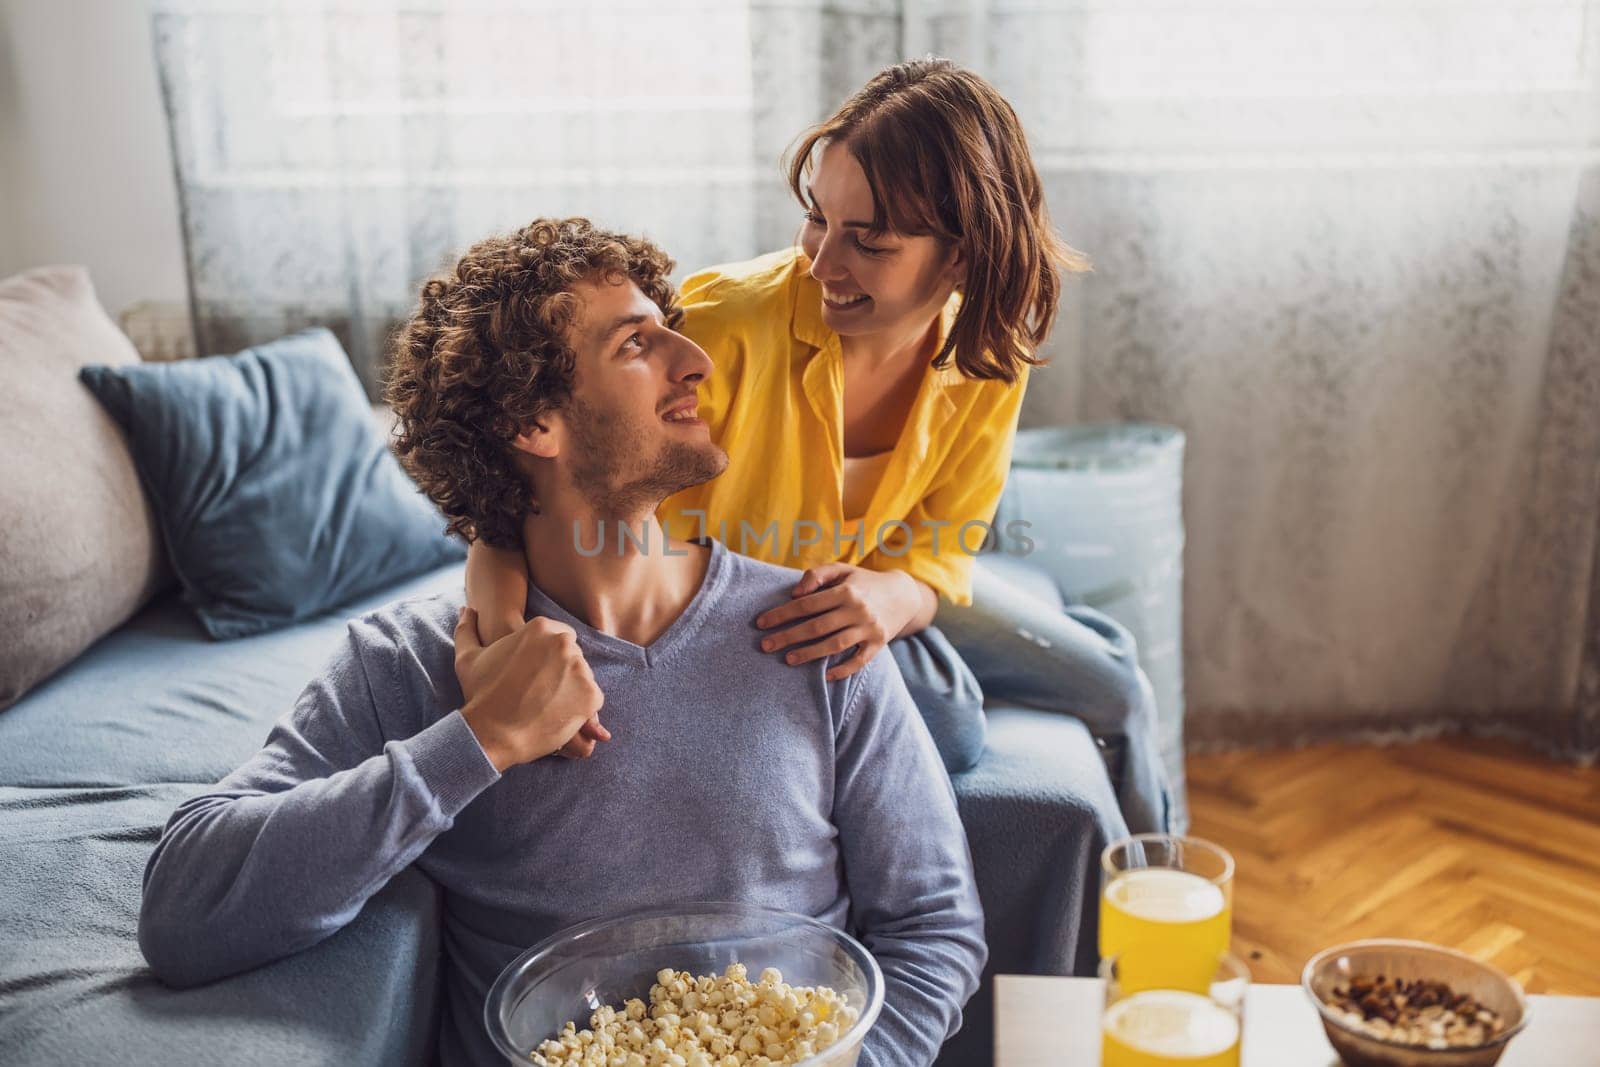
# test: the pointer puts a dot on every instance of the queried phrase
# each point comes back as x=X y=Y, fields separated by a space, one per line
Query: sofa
x=95 y=757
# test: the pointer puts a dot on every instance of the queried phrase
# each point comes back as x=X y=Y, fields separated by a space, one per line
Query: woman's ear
x=955 y=270
x=541 y=438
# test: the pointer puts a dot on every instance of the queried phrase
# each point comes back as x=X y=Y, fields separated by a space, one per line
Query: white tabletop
x=1055 y=1022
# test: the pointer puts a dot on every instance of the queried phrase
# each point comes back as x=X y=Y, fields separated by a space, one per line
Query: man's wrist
x=492 y=746
x=451 y=763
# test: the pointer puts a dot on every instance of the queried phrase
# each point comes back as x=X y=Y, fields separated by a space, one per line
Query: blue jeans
x=1017 y=643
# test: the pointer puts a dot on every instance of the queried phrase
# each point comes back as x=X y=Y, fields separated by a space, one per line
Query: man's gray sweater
x=730 y=776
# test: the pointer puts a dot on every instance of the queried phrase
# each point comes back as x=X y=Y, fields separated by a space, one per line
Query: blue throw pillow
x=275 y=491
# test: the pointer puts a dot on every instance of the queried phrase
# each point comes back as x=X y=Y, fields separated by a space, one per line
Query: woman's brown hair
x=945 y=155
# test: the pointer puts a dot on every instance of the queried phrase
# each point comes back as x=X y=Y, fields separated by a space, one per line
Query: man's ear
x=542 y=438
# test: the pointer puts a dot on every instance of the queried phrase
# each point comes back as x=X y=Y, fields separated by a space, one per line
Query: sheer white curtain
x=1351 y=248
x=331 y=154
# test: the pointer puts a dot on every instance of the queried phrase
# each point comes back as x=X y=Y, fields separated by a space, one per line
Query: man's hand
x=474 y=671
x=850 y=606
x=529 y=694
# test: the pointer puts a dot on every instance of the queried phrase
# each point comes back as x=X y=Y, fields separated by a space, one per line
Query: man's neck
x=626 y=585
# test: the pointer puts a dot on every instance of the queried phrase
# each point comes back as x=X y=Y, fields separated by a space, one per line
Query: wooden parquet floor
x=1468 y=844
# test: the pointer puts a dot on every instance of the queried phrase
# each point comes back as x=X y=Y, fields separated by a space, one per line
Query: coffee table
x=1055 y=1022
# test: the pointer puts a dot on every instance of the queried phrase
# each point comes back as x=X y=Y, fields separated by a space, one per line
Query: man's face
x=629 y=435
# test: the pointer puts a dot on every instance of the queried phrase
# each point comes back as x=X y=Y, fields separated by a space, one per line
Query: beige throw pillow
x=79 y=547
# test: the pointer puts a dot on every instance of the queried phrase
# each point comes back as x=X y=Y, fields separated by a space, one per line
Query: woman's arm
x=927 y=602
x=896 y=588
x=497 y=589
x=909 y=598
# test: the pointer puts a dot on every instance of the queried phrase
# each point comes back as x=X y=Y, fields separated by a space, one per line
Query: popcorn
x=706 y=1021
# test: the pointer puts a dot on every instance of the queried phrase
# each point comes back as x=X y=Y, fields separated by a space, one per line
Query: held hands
x=529 y=694
x=852 y=606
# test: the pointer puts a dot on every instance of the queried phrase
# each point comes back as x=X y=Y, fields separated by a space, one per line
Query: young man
x=541 y=389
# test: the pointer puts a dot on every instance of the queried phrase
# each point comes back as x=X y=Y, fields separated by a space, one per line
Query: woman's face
x=884 y=284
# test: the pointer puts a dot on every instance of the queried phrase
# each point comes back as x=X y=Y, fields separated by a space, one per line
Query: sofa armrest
x=1038 y=809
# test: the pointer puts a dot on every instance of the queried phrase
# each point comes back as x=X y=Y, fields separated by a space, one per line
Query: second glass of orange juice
x=1172 y=898
x=1157 y=1027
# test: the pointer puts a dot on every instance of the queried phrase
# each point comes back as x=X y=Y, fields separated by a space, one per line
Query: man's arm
x=913 y=898
x=287 y=849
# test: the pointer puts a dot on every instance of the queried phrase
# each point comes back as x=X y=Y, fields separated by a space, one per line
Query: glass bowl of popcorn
x=694 y=985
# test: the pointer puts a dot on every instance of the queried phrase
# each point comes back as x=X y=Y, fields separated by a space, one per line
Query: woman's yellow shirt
x=775 y=403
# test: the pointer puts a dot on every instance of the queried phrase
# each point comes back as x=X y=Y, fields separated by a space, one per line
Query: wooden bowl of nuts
x=1390 y=1003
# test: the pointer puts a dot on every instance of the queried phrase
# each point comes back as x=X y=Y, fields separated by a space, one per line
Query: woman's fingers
x=819 y=576
x=813 y=628
x=586 y=740
x=863 y=656
x=828 y=646
x=580 y=747
x=813 y=604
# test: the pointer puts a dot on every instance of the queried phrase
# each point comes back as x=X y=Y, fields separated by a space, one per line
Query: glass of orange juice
x=1145 y=1026
x=1173 y=895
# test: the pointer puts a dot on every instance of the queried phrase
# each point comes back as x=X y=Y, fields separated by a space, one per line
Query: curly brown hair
x=486 y=354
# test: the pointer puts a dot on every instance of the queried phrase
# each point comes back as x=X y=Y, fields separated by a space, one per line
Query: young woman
x=866 y=390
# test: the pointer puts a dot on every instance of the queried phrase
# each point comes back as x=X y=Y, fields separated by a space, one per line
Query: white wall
x=85 y=172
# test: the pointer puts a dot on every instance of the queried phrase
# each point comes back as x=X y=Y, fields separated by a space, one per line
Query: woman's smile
x=843 y=301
